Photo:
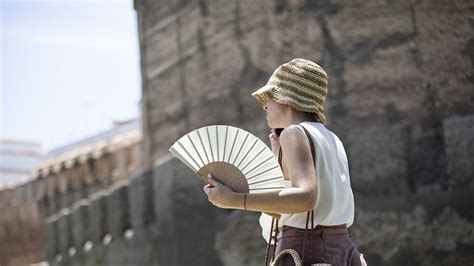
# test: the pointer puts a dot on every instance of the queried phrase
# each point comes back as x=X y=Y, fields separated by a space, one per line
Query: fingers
x=273 y=138
x=217 y=193
x=273 y=135
x=212 y=181
x=207 y=188
x=274 y=141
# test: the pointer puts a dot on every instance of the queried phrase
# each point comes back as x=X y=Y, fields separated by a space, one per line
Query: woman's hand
x=275 y=142
x=221 y=195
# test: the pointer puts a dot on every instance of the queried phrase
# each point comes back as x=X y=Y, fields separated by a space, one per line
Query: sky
x=68 y=69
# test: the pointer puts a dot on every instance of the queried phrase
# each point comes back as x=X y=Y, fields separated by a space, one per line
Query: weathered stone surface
x=141 y=249
x=141 y=201
x=373 y=51
x=459 y=141
x=412 y=238
x=80 y=220
x=52 y=237
x=95 y=256
x=397 y=71
x=378 y=160
x=240 y=241
x=186 y=221
x=118 y=219
x=65 y=236
x=116 y=252
x=97 y=217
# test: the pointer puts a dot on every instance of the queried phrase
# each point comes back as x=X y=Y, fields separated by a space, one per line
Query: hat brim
x=264 y=93
x=267 y=92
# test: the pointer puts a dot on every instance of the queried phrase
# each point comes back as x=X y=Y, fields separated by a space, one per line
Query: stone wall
x=389 y=63
x=433 y=225
x=401 y=75
x=160 y=217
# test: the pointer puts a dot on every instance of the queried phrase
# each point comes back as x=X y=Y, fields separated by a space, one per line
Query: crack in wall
x=334 y=63
x=248 y=74
x=148 y=143
x=364 y=51
x=182 y=75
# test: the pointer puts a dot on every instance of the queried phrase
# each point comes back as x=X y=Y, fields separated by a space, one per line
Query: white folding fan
x=233 y=156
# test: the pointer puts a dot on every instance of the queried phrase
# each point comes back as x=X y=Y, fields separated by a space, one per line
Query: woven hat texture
x=301 y=84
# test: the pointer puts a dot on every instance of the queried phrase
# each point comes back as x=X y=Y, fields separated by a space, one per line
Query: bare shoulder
x=292 y=135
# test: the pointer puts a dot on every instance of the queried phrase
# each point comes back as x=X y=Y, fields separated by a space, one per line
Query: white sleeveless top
x=335 y=201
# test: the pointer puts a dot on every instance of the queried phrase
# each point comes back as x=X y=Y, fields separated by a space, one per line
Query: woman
x=293 y=99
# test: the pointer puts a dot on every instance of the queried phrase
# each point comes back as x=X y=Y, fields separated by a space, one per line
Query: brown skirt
x=327 y=245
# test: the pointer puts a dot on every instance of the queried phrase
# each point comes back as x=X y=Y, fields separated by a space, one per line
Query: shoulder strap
x=311 y=144
x=309 y=214
x=273 y=237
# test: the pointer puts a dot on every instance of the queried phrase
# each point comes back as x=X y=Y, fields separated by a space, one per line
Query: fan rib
x=225 y=142
x=181 y=157
x=195 y=149
x=225 y=146
x=258 y=165
x=256 y=156
x=181 y=145
x=202 y=144
x=262 y=181
x=263 y=172
x=233 y=144
x=245 y=156
x=240 y=150
x=267 y=188
x=210 y=145
x=217 y=138
x=209 y=169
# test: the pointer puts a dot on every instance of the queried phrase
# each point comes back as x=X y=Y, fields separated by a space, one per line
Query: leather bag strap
x=309 y=214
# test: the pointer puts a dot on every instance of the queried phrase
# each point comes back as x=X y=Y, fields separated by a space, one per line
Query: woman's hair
x=313 y=116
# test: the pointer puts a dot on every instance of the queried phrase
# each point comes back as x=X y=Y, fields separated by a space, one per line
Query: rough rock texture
x=186 y=222
x=458 y=133
x=389 y=63
x=401 y=99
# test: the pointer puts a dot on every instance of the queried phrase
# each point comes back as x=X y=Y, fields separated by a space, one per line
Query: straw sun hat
x=301 y=84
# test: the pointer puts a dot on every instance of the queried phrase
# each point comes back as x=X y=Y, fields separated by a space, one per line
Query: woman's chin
x=272 y=124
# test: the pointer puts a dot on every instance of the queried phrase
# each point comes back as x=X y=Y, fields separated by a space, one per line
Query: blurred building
x=62 y=177
x=17 y=159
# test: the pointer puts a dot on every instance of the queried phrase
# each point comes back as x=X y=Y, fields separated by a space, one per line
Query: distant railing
x=107 y=215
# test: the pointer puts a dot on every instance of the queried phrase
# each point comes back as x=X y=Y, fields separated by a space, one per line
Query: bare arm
x=300 y=198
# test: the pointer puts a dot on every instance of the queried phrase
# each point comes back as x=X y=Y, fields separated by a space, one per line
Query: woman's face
x=275 y=113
